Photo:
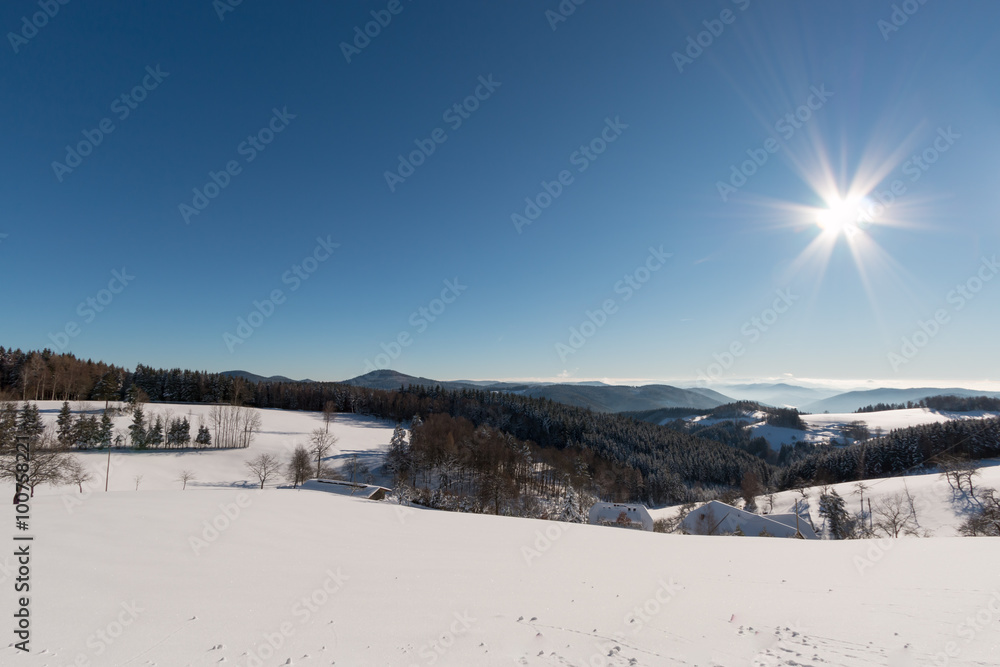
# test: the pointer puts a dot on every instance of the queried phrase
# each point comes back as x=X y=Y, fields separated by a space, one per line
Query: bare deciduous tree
x=985 y=522
x=299 y=466
x=321 y=443
x=857 y=431
x=264 y=466
x=329 y=414
x=234 y=425
x=49 y=463
x=76 y=472
x=184 y=477
x=894 y=516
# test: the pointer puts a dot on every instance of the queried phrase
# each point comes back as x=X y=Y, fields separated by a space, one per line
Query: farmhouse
x=368 y=491
x=621 y=515
x=716 y=518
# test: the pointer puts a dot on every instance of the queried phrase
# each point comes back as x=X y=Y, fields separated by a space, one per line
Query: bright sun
x=840 y=217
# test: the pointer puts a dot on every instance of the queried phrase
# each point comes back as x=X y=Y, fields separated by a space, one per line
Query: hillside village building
x=717 y=518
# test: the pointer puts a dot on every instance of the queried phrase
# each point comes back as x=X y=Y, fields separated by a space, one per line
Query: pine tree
x=183 y=432
x=204 y=437
x=569 y=511
x=108 y=388
x=155 y=436
x=64 y=425
x=397 y=458
x=137 y=431
x=832 y=508
x=106 y=431
x=30 y=423
x=8 y=425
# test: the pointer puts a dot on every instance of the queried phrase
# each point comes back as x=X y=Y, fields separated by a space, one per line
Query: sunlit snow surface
x=305 y=578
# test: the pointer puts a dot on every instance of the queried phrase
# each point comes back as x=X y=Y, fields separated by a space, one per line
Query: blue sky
x=327 y=131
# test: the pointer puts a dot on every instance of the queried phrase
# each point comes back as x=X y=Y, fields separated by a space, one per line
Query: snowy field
x=307 y=578
x=225 y=574
x=281 y=431
x=825 y=427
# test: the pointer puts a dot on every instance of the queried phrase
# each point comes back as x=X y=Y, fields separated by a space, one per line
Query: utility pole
x=107 y=473
x=798 y=533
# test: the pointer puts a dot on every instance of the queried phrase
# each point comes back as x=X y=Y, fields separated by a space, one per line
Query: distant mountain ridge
x=253 y=377
x=389 y=380
x=602 y=397
x=596 y=396
x=853 y=400
x=779 y=394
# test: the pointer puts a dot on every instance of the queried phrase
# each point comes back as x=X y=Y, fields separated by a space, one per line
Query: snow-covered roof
x=789 y=520
x=717 y=518
x=609 y=513
x=343 y=488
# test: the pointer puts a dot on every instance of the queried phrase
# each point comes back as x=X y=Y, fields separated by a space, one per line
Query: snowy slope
x=825 y=427
x=281 y=432
x=821 y=428
x=329 y=580
x=939 y=511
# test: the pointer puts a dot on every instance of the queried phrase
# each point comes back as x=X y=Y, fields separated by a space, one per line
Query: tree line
x=946 y=403
x=900 y=451
x=652 y=463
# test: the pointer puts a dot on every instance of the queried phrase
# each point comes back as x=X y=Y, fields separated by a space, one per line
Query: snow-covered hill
x=282 y=577
x=217 y=575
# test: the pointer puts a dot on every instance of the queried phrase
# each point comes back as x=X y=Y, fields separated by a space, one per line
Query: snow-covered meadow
x=281 y=431
x=225 y=574
x=283 y=577
x=822 y=428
